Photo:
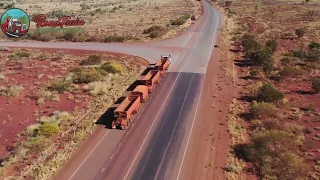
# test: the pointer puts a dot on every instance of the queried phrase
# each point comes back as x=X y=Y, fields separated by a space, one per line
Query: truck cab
x=167 y=57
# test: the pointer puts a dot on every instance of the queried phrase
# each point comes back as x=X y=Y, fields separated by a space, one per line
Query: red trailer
x=142 y=91
x=124 y=112
x=151 y=79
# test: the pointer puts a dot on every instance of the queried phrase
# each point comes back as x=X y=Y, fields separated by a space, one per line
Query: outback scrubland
x=50 y=101
x=274 y=120
x=109 y=21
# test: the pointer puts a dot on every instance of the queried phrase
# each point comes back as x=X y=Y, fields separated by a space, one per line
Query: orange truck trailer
x=151 y=79
x=141 y=91
x=124 y=112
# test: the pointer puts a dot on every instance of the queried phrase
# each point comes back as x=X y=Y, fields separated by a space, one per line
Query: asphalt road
x=155 y=146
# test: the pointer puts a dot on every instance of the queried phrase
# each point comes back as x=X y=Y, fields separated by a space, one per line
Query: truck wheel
x=123 y=127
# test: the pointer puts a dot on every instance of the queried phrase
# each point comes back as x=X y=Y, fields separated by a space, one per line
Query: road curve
x=155 y=146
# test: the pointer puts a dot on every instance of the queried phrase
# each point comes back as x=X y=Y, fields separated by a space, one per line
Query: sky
x=15 y=13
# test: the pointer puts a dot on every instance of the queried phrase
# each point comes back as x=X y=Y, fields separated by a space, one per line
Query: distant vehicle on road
x=193 y=18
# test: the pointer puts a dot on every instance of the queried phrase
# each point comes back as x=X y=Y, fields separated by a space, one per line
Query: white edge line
x=194 y=117
x=89 y=155
x=145 y=139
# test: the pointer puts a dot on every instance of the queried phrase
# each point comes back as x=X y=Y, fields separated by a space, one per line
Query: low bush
x=60 y=86
x=56 y=118
x=42 y=56
x=11 y=91
x=112 y=67
x=259 y=57
x=249 y=42
x=316 y=84
x=31 y=129
x=93 y=59
x=86 y=76
x=300 y=54
x=272 y=44
x=22 y=53
x=114 y=38
x=97 y=88
x=274 y=153
x=289 y=71
x=181 y=20
x=48 y=129
x=262 y=110
x=268 y=93
x=69 y=35
x=155 y=31
x=314 y=46
x=38 y=144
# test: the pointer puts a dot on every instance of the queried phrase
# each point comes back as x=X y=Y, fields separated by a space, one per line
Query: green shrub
x=250 y=43
x=69 y=35
x=262 y=110
x=91 y=60
x=272 y=44
x=112 y=67
x=38 y=144
x=86 y=76
x=48 y=129
x=60 y=86
x=259 y=57
x=316 y=84
x=114 y=38
x=155 y=31
x=314 y=46
x=181 y=20
x=22 y=53
x=274 y=153
x=314 y=57
x=289 y=71
x=178 y=22
x=300 y=54
x=268 y=93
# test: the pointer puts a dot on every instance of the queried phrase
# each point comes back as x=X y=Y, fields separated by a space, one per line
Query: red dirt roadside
x=210 y=140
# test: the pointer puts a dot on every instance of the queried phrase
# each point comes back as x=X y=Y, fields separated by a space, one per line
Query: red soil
x=17 y=113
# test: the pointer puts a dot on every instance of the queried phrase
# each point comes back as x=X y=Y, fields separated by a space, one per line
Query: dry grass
x=237 y=133
x=11 y=90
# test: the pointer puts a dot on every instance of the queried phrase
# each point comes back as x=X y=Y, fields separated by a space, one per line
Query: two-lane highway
x=155 y=146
